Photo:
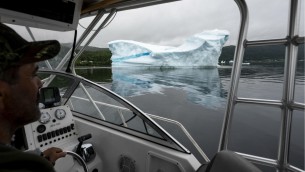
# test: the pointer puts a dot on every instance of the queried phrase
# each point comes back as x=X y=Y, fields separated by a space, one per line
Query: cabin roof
x=92 y=6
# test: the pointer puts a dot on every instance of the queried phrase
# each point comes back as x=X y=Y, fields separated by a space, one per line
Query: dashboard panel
x=55 y=128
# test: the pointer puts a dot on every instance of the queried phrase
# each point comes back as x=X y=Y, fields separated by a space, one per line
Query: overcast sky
x=172 y=23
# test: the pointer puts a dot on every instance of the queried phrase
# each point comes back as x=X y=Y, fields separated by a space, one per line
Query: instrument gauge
x=60 y=114
x=44 y=118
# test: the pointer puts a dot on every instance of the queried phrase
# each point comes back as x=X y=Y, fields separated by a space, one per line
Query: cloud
x=172 y=23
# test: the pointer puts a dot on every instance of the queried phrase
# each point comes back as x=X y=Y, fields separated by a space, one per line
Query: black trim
x=111 y=123
x=68 y=70
x=116 y=129
x=129 y=119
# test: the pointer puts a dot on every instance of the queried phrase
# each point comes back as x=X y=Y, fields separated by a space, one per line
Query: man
x=19 y=95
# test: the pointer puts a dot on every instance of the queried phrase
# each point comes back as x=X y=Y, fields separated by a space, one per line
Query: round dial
x=60 y=114
x=44 y=118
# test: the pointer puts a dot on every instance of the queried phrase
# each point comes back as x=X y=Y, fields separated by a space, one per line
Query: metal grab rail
x=236 y=70
x=260 y=101
x=287 y=103
x=289 y=85
x=259 y=160
x=295 y=40
x=266 y=42
x=204 y=156
x=92 y=101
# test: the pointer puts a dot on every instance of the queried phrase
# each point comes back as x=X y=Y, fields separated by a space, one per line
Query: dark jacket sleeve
x=13 y=160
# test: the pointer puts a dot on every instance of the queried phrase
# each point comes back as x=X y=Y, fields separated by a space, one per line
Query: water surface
x=197 y=98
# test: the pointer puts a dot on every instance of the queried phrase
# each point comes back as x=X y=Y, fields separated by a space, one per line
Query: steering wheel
x=80 y=159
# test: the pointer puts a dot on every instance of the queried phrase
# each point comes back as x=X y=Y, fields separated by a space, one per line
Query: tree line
x=93 y=56
x=261 y=54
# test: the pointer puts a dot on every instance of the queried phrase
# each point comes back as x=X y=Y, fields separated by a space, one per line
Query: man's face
x=24 y=96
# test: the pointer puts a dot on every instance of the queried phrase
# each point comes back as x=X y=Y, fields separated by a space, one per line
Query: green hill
x=260 y=54
x=94 y=56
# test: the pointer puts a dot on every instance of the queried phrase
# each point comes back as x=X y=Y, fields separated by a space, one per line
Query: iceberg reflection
x=202 y=86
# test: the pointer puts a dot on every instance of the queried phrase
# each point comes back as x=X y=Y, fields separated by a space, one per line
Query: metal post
x=113 y=11
x=81 y=39
x=289 y=85
x=238 y=59
x=33 y=38
x=92 y=101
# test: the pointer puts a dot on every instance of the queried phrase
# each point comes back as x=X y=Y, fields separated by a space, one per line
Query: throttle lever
x=81 y=139
x=84 y=137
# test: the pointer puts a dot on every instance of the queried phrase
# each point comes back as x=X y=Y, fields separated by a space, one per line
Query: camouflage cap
x=15 y=51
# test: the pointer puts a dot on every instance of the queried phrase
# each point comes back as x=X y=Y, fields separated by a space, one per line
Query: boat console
x=56 y=128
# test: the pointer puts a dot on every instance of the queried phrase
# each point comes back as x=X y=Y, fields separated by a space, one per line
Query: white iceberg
x=200 y=50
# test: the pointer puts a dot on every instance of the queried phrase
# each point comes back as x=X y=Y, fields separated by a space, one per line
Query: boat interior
x=102 y=131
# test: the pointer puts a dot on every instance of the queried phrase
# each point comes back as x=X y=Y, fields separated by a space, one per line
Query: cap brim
x=39 y=51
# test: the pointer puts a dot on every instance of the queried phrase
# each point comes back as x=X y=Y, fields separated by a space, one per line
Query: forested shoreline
x=255 y=55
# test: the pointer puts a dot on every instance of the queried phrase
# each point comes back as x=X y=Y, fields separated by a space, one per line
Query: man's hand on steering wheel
x=52 y=154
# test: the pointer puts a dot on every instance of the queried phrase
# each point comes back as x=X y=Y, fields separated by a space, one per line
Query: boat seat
x=228 y=161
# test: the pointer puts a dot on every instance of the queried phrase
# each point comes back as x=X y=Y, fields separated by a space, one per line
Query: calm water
x=197 y=99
